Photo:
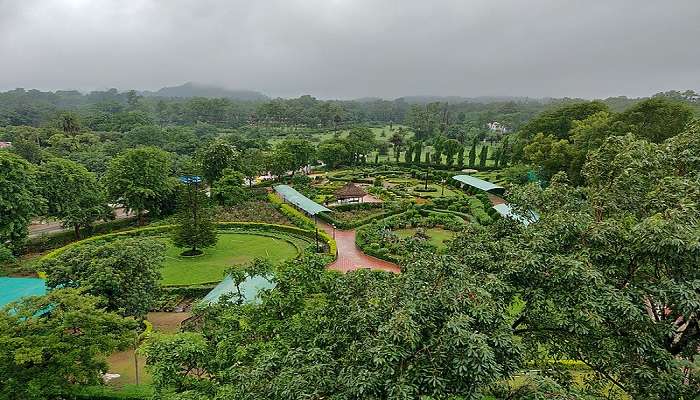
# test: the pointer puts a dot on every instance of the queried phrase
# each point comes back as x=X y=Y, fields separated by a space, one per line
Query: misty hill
x=190 y=89
x=460 y=99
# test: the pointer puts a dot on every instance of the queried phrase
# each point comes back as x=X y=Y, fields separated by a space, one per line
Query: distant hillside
x=190 y=89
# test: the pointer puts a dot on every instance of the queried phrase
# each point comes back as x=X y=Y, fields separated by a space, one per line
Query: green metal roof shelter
x=506 y=211
x=292 y=196
x=480 y=184
x=249 y=289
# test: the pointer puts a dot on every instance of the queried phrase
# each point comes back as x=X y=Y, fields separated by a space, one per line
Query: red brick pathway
x=350 y=257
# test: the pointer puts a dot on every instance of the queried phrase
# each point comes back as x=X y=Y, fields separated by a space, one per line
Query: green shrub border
x=345 y=225
x=303 y=222
x=147 y=231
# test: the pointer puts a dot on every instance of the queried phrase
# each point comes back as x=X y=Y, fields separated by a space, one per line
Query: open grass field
x=438 y=236
x=231 y=249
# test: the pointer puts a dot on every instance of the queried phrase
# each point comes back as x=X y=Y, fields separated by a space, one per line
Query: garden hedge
x=147 y=231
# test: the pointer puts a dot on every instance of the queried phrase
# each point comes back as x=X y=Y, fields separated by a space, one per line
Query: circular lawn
x=230 y=249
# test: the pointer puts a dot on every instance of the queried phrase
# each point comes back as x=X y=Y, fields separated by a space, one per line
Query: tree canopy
x=123 y=272
x=19 y=200
x=139 y=179
x=72 y=193
x=53 y=342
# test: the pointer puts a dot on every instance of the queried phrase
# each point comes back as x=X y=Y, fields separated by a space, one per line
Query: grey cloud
x=355 y=48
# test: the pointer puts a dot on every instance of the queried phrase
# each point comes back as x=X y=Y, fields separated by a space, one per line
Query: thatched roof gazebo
x=350 y=192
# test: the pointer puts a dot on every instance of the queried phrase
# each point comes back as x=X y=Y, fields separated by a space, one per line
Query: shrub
x=423 y=189
x=6 y=256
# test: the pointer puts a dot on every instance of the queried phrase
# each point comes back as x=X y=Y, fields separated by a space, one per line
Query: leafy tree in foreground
x=320 y=334
x=139 y=179
x=125 y=272
x=53 y=342
x=18 y=199
x=195 y=223
x=73 y=194
x=608 y=275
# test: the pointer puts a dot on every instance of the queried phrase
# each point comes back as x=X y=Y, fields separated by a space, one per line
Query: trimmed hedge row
x=345 y=225
x=147 y=231
x=357 y=206
x=294 y=215
x=303 y=222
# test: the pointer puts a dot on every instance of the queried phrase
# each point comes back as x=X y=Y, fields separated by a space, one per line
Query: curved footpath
x=350 y=257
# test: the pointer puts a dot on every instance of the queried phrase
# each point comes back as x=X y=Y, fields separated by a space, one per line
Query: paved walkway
x=350 y=257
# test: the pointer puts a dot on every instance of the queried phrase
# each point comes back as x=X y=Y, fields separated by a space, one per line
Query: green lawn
x=438 y=236
x=232 y=248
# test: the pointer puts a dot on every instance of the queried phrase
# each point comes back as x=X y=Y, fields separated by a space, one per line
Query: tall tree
x=451 y=147
x=139 y=179
x=19 y=201
x=73 y=194
x=195 y=227
x=334 y=153
x=361 y=141
x=252 y=164
x=69 y=123
x=301 y=150
x=417 y=152
x=54 y=342
x=397 y=140
x=483 y=156
x=228 y=190
x=215 y=158
x=279 y=162
x=472 y=154
x=408 y=154
x=126 y=273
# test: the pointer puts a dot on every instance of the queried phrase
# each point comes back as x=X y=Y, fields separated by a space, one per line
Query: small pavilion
x=350 y=193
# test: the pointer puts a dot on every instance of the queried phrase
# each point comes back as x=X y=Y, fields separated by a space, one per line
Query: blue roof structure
x=506 y=211
x=190 y=179
x=480 y=184
x=14 y=289
x=292 y=196
x=249 y=288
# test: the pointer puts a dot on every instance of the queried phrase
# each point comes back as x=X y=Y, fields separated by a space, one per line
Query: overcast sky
x=355 y=48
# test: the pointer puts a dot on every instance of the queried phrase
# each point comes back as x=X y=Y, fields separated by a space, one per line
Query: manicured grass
x=438 y=236
x=231 y=249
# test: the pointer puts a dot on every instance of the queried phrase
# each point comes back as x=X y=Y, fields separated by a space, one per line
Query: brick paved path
x=350 y=257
